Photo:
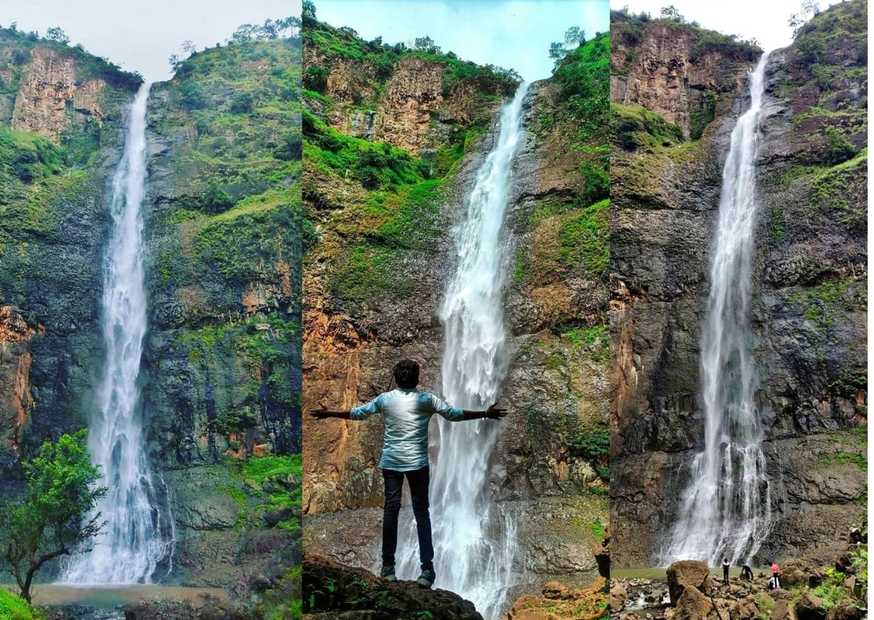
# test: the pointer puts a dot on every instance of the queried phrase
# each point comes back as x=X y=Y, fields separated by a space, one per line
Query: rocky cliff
x=222 y=359
x=61 y=134
x=809 y=285
x=221 y=368
x=392 y=141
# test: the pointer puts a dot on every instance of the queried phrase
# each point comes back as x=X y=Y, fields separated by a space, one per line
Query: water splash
x=474 y=539
x=138 y=534
x=726 y=508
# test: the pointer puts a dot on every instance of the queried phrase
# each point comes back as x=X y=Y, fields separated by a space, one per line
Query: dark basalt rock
x=337 y=591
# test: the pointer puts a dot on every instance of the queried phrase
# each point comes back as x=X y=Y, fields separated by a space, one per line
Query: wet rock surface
x=809 y=295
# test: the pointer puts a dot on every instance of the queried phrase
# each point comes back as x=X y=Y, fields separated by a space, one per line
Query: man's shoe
x=427 y=578
x=388 y=573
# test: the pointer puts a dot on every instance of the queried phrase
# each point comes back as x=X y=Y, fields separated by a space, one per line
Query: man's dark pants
x=394 y=484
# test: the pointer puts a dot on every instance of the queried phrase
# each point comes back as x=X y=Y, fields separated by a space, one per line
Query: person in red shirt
x=775 y=574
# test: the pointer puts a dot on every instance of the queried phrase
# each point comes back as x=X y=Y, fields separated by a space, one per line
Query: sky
x=514 y=34
x=767 y=21
x=143 y=34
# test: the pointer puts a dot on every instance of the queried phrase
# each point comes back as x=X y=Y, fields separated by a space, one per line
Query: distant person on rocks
x=746 y=572
x=775 y=574
x=406 y=413
x=725 y=567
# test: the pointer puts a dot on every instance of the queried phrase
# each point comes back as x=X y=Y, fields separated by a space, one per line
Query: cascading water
x=726 y=507
x=137 y=534
x=471 y=557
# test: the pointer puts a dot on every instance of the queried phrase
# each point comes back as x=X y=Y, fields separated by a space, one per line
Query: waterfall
x=726 y=507
x=474 y=541
x=137 y=534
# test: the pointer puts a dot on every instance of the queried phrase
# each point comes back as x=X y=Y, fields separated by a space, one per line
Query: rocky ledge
x=810 y=590
x=334 y=591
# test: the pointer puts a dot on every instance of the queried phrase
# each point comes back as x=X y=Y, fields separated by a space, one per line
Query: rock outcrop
x=337 y=591
x=809 y=295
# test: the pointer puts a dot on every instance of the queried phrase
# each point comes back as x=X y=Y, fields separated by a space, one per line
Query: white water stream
x=474 y=541
x=726 y=507
x=137 y=534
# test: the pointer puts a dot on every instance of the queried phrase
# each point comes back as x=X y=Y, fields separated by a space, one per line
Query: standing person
x=406 y=413
x=725 y=567
x=775 y=574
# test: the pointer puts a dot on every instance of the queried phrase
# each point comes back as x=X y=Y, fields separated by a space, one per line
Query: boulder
x=687 y=573
x=618 y=595
x=693 y=605
x=809 y=607
x=558 y=601
x=846 y=611
x=337 y=591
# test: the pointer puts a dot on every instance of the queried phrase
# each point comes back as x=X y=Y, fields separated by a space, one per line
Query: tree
x=809 y=8
x=57 y=34
x=309 y=10
x=574 y=36
x=426 y=44
x=52 y=519
x=671 y=12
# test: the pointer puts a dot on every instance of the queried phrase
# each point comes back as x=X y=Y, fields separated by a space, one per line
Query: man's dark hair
x=407 y=374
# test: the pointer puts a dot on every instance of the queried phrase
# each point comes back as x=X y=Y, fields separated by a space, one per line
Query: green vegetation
x=262 y=344
x=842 y=457
x=275 y=484
x=398 y=214
x=584 y=86
x=702 y=116
x=88 y=66
x=594 y=339
x=47 y=522
x=378 y=60
x=593 y=444
x=835 y=188
x=832 y=592
x=629 y=27
x=635 y=127
x=13 y=607
x=823 y=301
x=375 y=164
x=584 y=240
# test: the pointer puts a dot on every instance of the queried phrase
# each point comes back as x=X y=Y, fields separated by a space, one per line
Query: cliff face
x=221 y=367
x=222 y=359
x=809 y=291
x=393 y=140
x=61 y=133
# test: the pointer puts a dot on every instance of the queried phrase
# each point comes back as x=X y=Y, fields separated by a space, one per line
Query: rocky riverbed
x=819 y=588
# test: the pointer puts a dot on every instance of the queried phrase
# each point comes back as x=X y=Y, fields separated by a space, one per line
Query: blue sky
x=140 y=35
x=510 y=33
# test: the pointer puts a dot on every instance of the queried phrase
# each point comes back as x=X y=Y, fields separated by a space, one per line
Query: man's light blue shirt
x=406 y=414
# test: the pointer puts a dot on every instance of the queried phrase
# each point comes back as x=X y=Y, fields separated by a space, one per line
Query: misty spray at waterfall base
x=725 y=510
x=474 y=541
x=138 y=533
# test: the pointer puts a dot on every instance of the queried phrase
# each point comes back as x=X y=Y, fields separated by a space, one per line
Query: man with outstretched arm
x=406 y=412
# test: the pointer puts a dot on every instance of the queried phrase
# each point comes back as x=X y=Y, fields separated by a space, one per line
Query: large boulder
x=685 y=573
x=332 y=590
x=810 y=607
x=693 y=605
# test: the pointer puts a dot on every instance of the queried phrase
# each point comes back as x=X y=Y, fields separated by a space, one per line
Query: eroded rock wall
x=809 y=307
